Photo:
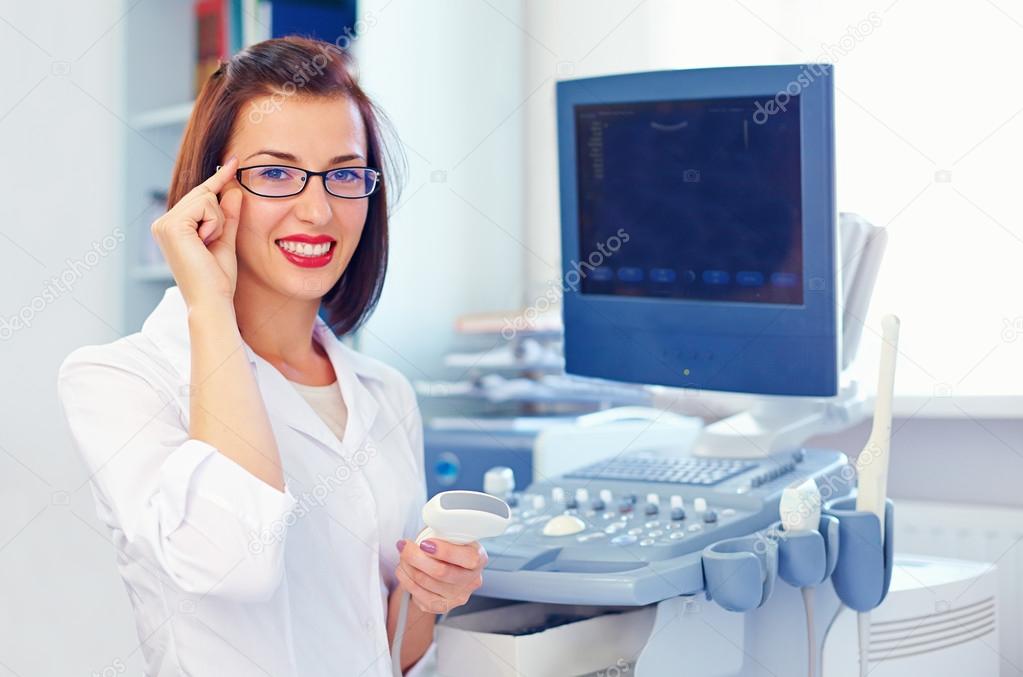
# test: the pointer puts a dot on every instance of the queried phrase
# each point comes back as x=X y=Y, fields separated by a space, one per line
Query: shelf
x=167 y=116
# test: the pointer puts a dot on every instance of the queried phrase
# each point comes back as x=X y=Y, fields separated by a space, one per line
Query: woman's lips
x=305 y=261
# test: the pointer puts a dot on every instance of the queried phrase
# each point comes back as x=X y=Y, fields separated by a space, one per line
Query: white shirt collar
x=167 y=328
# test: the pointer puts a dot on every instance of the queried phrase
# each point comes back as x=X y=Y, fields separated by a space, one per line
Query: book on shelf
x=210 y=38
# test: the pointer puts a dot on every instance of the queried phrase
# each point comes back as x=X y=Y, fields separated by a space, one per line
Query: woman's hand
x=197 y=238
x=440 y=575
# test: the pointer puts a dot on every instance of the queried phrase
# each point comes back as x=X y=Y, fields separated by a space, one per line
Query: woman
x=259 y=477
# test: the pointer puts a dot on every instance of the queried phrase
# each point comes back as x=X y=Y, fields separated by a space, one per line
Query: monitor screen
x=695 y=199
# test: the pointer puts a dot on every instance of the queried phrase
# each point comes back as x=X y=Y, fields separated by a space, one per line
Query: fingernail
x=400 y=544
x=428 y=546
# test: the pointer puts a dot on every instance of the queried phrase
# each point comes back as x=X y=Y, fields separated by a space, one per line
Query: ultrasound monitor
x=699 y=229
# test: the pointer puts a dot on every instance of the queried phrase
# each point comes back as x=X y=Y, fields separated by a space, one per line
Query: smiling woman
x=276 y=518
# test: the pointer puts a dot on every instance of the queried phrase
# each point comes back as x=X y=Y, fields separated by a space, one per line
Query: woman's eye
x=344 y=175
x=275 y=173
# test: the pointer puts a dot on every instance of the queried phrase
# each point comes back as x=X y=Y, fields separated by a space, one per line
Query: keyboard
x=693 y=471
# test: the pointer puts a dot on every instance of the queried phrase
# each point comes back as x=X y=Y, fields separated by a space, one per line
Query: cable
x=863 y=630
x=811 y=641
x=399 y=634
x=827 y=631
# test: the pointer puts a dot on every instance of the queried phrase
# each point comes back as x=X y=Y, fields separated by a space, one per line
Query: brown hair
x=295 y=66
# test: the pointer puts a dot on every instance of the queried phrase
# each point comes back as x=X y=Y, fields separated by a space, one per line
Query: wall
x=449 y=76
x=64 y=610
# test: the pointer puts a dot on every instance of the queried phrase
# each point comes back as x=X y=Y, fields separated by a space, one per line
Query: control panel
x=630 y=530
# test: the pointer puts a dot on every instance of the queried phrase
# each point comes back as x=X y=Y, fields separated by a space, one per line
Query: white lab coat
x=227 y=575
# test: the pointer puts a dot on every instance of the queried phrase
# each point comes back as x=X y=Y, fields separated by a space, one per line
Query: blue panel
x=716 y=329
x=329 y=20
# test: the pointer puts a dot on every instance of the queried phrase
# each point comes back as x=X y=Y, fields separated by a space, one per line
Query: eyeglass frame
x=310 y=173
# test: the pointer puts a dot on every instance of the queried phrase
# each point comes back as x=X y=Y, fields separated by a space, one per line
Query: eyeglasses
x=350 y=183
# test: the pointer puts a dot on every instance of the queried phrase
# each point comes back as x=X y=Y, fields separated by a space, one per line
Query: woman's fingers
x=460 y=565
x=208 y=216
x=202 y=214
x=451 y=582
x=220 y=178
x=427 y=582
x=468 y=556
x=424 y=599
x=230 y=207
x=205 y=205
x=413 y=555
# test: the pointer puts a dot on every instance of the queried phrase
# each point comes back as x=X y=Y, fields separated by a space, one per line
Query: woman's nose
x=314 y=202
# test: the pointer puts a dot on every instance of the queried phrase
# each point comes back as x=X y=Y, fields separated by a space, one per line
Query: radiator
x=979 y=533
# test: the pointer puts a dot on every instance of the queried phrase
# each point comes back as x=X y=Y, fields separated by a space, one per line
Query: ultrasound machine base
x=694 y=636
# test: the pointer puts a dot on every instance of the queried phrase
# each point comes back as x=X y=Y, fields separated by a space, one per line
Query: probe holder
x=739 y=572
x=807 y=558
x=863 y=571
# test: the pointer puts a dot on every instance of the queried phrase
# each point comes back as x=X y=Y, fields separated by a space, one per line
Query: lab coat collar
x=167 y=328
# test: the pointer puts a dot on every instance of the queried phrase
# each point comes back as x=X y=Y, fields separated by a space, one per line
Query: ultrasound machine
x=702 y=250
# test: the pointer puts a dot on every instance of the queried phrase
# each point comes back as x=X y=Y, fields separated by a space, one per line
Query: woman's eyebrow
x=281 y=155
